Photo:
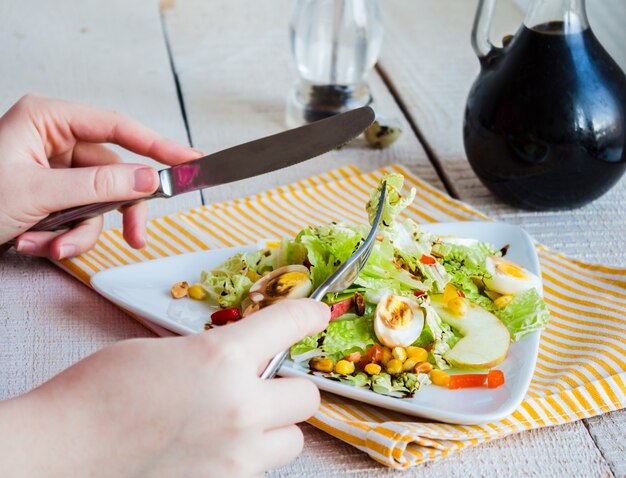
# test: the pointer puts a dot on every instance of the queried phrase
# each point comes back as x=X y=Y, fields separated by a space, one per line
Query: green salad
x=422 y=305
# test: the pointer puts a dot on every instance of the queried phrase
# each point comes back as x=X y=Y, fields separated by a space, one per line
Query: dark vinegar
x=545 y=120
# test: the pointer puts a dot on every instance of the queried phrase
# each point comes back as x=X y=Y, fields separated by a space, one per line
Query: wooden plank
x=235 y=73
x=429 y=58
x=112 y=55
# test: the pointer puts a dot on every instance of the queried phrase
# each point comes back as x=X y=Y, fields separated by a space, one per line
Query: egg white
x=504 y=283
x=401 y=336
x=258 y=291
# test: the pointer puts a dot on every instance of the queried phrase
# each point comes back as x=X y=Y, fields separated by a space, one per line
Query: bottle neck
x=562 y=16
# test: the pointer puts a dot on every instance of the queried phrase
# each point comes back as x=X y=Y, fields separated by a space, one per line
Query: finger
x=280 y=446
x=69 y=187
x=277 y=327
x=286 y=401
x=91 y=154
x=134 y=222
x=77 y=240
x=95 y=125
x=36 y=243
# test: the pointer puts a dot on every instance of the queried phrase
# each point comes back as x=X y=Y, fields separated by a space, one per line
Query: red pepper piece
x=373 y=355
x=467 y=380
x=427 y=260
x=419 y=293
x=221 y=317
x=353 y=357
x=495 y=378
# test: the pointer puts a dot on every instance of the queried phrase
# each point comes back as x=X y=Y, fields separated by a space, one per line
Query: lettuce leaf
x=344 y=336
x=526 y=313
x=395 y=202
x=306 y=349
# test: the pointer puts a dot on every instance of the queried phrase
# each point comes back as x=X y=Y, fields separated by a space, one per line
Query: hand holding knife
x=239 y=162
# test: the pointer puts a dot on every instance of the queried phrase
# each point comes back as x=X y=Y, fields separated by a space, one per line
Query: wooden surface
x=233 y=64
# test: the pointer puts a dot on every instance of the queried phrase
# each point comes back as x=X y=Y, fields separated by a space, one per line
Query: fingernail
x=67 y=250
x=25 y=246
x=145 y=180
x=198 y=152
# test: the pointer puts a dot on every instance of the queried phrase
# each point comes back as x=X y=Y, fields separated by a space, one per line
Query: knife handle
x=69 y=217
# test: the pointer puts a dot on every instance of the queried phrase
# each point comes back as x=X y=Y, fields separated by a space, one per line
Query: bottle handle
x=482 y=26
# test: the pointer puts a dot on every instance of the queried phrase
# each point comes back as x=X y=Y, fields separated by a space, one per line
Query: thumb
x=64 y=188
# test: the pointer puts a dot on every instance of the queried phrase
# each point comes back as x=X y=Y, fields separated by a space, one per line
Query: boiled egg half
x=289 y=282
x=398 y=321
x=507 y=277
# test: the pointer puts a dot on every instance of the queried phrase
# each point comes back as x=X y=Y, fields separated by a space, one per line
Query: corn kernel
x=409 y=364
x=423 y=367
x=418 y=353
x=372 y=369
x=387 y=356
x=197 y=292
x=344 y=367
x=449 y=292
x=399 y=353
x=439 y=377
x=322 y=364
x=502 y=301
x=458 y=306
x=394 y=366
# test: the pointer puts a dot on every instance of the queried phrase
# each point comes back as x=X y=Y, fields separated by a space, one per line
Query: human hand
x=192 y=406
x=51 y=158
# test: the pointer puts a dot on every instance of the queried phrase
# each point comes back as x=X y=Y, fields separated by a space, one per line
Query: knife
x=233 y=164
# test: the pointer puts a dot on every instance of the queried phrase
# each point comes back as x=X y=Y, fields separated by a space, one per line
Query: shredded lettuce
x=395 y=202
x=228 y=283
x=442 y=336
x=526 y=313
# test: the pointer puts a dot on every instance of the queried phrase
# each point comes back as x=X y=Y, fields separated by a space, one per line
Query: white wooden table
x=215 y=73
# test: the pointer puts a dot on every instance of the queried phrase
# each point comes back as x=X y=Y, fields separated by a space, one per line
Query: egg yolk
x=511 y=270
x=283 y=284
x=395 y=313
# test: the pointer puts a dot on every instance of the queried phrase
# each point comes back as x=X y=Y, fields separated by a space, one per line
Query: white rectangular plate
x=144 y=289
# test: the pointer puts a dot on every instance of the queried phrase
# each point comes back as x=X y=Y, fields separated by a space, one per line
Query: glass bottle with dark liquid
x=545 y=123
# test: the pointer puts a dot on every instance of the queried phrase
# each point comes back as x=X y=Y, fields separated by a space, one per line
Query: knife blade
x=239 y=162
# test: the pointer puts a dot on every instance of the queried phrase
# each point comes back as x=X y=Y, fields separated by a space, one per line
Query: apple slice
x=485 y=341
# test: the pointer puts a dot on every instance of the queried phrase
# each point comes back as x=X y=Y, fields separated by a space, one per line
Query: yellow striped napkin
x=582 y=360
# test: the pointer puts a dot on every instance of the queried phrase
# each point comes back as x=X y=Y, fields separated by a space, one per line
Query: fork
x=340 y=280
